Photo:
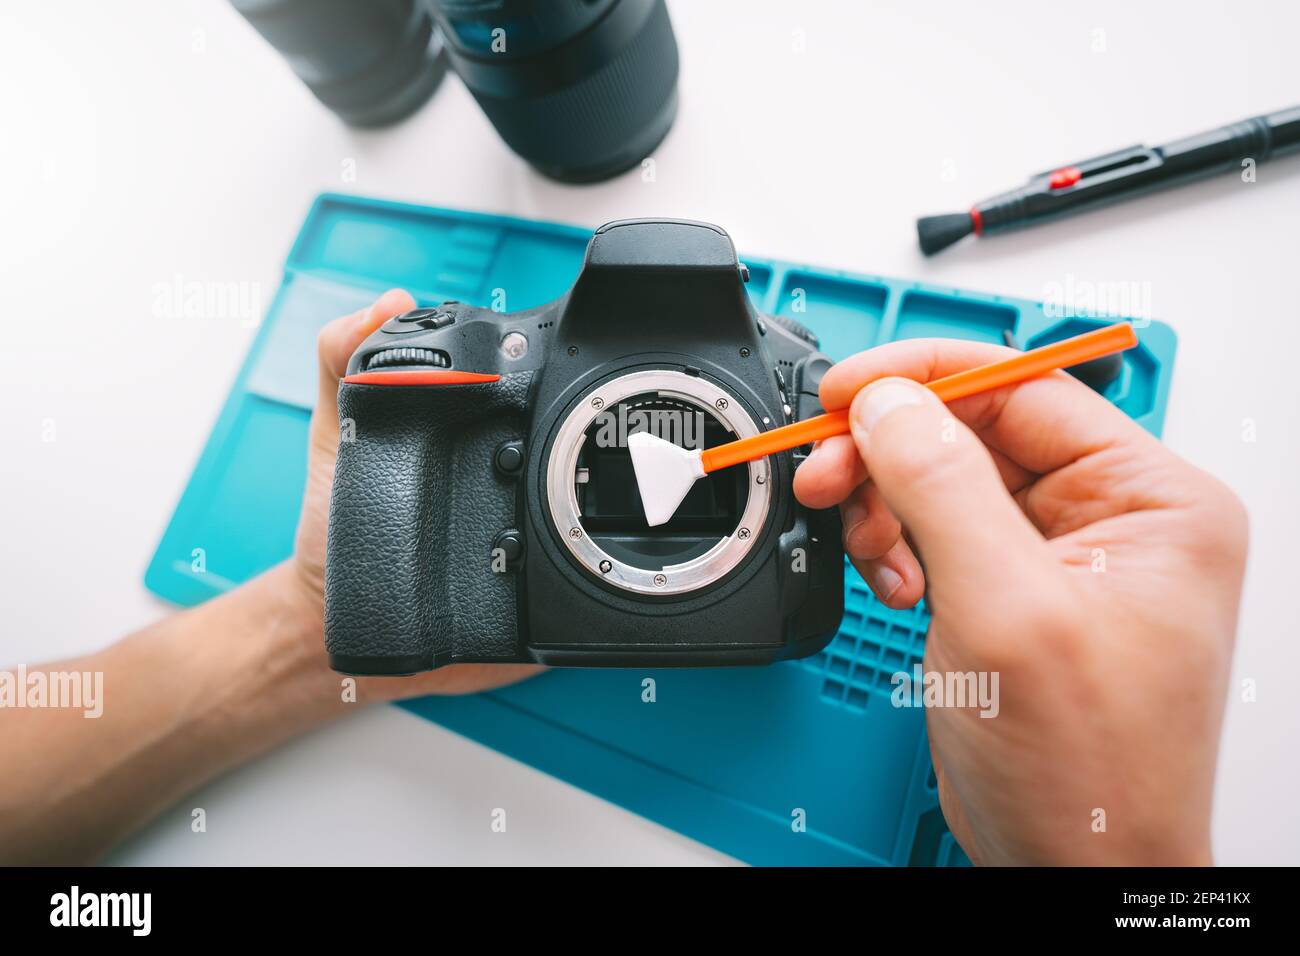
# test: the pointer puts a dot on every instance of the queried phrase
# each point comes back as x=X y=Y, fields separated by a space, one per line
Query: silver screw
x=597 y=402
x=742 y=533
x=661 y=580
x=761 y=479
x=575 y=532
x=721 y=403
x=605 y=567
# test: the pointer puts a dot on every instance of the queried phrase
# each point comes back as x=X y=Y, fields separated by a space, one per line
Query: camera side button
x=810 y=372
x=509 y=458
x=508 y=546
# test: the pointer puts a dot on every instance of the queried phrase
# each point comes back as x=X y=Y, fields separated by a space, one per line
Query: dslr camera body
x=484 y=506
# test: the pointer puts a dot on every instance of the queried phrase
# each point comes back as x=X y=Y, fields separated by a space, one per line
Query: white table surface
x=157 y=140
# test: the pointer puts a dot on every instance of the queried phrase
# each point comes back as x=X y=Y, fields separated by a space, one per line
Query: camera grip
x=415 y=508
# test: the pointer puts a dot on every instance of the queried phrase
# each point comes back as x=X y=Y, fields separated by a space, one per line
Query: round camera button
x=416 y=315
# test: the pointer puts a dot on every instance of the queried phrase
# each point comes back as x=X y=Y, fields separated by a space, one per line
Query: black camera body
x=484 y=507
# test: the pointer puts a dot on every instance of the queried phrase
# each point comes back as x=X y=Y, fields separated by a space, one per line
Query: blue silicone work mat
x=803 y=762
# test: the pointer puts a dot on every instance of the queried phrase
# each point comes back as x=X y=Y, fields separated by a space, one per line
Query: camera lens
x=610 y=504
x=372 y=62
x=581 y=89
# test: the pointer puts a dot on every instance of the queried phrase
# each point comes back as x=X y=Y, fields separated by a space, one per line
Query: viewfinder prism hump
x=665 y=473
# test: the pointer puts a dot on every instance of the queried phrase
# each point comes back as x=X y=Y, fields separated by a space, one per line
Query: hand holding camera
x=486 y=509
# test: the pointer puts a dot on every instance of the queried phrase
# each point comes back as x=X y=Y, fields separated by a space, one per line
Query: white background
x=153 y=140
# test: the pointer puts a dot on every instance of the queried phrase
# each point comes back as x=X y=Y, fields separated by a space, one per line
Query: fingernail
x=885 y=581
x=879 y=400
x=850 y=544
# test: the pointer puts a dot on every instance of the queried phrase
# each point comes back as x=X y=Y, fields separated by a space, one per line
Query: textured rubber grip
x=415 y=509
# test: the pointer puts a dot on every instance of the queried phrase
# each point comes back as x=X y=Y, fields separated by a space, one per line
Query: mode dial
x=408 y=358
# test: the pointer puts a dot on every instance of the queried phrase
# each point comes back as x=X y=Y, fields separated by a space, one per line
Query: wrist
x=287 y=598
x=276 y=635
x=299 y=609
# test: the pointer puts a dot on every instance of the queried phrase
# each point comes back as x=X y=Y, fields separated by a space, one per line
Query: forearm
x=182 y=701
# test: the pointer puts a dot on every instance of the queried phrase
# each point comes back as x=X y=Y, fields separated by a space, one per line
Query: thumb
x=939 y=480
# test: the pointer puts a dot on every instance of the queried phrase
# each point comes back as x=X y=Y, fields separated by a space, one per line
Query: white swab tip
x=665 y=474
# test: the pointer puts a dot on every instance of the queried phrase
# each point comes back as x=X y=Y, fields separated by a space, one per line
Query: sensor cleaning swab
x=665 y=473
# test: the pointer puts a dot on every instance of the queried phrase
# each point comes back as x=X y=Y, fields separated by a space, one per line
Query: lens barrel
x=581 y=89
x=372 y=62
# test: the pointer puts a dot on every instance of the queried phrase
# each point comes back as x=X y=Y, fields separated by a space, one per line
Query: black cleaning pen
x=1115 y=176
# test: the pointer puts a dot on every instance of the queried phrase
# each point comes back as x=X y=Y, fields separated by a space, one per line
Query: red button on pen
x=1067 y=176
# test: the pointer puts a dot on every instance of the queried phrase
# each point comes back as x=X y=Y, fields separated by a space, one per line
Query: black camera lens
x=581 y=89
x=610 y=504
x=372 y=62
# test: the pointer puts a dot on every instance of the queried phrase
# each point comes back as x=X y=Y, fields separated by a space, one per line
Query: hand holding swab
x=665 y=473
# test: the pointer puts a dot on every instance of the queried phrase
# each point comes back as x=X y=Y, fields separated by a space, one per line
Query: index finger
x=341 y=337
x=1042 y=424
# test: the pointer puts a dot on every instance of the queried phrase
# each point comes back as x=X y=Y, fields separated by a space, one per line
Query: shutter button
x=418 y=320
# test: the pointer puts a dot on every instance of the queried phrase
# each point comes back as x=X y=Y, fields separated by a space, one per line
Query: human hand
x=1069 y=552
x=206 y=689
x=335 y=345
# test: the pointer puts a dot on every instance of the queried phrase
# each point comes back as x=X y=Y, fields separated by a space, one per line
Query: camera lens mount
x=633 y=557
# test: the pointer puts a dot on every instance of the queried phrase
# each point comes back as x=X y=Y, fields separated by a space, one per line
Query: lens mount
x=562 y=479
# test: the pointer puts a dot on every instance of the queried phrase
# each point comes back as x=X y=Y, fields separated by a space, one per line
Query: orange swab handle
x=984 y=378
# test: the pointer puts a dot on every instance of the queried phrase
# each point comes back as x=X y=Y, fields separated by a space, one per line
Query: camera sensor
x=595 y=503
x=609 y=501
